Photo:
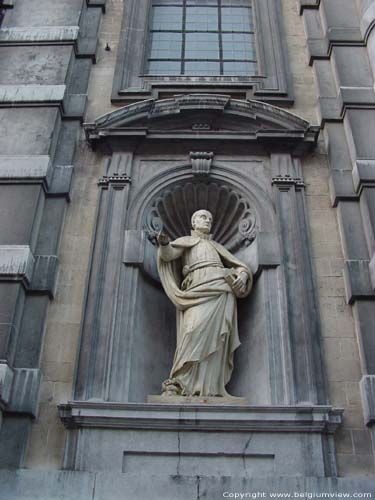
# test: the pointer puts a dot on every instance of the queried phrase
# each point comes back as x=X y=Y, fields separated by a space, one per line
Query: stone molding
x=118 y=180
x=40 y=35
x=303 y=418
x=19 y=94
x=271 y=127
x=288 y=181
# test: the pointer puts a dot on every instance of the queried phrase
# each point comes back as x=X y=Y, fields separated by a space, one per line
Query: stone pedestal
x=196 y=400
x=200 y=439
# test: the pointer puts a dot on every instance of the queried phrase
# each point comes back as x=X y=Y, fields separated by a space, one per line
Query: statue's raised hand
x=162 y=239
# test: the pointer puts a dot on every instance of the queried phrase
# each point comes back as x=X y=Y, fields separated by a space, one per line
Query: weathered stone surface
x=39 y=34
x=24 y=167
x=6 y=380
x=16 y=262
x=31 y=93
x=64 y=485
x=25 y=391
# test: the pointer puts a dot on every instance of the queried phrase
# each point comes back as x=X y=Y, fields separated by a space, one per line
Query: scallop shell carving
x=234 y=220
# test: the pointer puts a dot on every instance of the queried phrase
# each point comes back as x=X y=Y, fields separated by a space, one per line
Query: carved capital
x=117 y=180
x=287 y=181
x=201 y=162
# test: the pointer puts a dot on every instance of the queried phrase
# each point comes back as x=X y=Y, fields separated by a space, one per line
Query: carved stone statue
x=202 y=279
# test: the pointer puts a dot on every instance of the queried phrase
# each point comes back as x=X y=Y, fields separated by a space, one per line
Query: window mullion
x=183 y=47
x=220 y=38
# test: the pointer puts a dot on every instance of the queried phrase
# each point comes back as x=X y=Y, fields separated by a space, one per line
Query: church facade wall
x=329 y=49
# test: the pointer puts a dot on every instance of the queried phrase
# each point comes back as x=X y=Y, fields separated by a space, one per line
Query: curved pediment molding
x=202 y=116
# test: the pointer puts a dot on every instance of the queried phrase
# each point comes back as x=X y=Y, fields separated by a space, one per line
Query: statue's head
x=202 y=221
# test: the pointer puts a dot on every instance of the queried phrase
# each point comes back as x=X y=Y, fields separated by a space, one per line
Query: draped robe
x=207 y=333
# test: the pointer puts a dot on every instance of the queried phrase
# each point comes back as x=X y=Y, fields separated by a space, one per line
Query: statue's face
x=202 y=221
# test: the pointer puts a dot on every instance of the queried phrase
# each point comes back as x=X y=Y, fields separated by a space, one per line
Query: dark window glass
x=201 y=37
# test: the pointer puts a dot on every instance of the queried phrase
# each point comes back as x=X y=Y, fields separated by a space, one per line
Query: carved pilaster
x=303 y=324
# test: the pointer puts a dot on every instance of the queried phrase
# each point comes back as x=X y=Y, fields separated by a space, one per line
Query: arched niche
x=251 y=156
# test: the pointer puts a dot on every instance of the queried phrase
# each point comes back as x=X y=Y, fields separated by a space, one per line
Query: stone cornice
x=261 y=123
x=303 y=418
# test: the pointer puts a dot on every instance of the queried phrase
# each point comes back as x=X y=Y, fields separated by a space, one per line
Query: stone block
x=362 y=442
x=356 y=465
x=23 y=35
x=12 y=94
x=341 y=186
x=61 y=180
x=24 y=167
x=37 y=13
x=343 y=441
x=363 y=173
x=16 y=262
x=38 y=128
x=6 y=380
x=353 y=393
x=25 y=391
x=38 y=66
x=357 y=280
x=368 y=398
x=45 y=273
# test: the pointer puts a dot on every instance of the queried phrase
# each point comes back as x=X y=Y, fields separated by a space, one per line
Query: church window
x=202 y=37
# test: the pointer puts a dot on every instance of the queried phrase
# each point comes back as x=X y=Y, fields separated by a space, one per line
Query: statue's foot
x=171 y=387
x=169 y=393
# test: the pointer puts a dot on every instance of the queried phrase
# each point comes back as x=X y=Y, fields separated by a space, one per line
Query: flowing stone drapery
x=207 y=333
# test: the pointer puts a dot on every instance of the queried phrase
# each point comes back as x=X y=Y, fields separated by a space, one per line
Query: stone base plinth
x=199 y=438
x=196 y=400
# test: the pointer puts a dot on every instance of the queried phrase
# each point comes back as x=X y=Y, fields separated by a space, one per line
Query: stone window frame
x=272 y=84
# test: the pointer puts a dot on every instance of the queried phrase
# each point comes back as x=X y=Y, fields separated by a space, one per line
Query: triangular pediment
x=201 y=116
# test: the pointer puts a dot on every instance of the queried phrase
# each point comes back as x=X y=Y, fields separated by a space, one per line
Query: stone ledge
x=308 y=4
x=364 y=173
x=37 y=273
x=37 y=35
x=358 y=281
x=24 y=167
x=16 y=262
x=196 y=400
x=10 y=94
x=341 y=186
x=303 y=418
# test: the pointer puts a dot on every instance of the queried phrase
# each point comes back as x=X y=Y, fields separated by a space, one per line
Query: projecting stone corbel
x=201 y=163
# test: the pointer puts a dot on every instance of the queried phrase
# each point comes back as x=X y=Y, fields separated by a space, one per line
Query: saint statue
x=202 y=279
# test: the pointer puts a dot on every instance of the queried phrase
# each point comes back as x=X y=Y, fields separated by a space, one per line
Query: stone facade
x=64 y=64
